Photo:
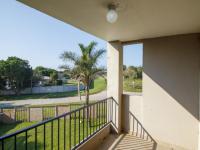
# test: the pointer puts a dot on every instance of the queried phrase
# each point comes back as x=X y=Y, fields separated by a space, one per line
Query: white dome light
x=112 y=16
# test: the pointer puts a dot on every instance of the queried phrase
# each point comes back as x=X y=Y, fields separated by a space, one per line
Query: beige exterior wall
x=169 y=108
x=114 y=77
x=171 y=89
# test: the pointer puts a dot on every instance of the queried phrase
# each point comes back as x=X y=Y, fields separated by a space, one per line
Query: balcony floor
x=125 y=142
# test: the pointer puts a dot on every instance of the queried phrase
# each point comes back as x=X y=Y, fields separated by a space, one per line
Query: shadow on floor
x=126 y=142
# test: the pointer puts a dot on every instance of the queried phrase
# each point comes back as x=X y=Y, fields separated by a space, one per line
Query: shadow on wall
x=132 y=125
x=140 y=133
x=173 y=63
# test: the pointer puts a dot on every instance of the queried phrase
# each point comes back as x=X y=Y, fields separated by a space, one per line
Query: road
x=95 y=97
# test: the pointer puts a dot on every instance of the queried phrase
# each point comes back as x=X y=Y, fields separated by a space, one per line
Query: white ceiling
x=138 y=19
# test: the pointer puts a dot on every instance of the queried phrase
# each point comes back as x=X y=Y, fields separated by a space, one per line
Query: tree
x=39 y=72
x=139 y=72
x=85 y=65
x=130 y=73
x=133 y=72
x=17 y=72
x=36 y=78
x=2 y=83
x=73 y=74
x=42 y=71
x=2 y=76
x=124 y=67
x=54 y=77
x=132 y=67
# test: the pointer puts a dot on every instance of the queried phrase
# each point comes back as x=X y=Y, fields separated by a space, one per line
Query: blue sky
x=39 y=38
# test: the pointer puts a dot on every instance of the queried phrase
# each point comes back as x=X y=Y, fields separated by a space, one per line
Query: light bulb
x=112 y=16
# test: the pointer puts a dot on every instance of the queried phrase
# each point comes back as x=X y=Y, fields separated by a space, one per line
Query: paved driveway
x=95 y=97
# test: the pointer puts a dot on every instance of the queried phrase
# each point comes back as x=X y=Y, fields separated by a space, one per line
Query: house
x=45 y=80
x=169 y=109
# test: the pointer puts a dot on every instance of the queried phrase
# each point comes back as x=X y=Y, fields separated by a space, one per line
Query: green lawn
x=130 y=85
x=39 y=96
x=10 y=128
x=99 y=85
x=64 y=129
x=71 y=82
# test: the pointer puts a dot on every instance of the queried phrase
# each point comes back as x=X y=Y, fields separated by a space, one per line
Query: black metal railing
x=66 y=131
x=140 y=131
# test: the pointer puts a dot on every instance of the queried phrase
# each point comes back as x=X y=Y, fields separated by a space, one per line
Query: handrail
x=99 y=117
x=49 y=120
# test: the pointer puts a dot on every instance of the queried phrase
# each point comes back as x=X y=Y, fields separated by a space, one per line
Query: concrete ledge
x=96 y=139
x=132 y=94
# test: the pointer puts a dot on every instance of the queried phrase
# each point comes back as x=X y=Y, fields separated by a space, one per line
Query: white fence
x=46 y=89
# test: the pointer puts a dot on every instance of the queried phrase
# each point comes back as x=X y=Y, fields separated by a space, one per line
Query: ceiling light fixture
x=112 y=13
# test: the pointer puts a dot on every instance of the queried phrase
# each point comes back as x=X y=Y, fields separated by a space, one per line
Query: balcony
x=66 y=131
x=169 y=108
x=83 y=128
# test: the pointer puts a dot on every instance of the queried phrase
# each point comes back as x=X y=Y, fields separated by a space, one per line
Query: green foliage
x=130 y=74
x=124 y=67
x=85 y=66
x=139 y=72
x=2 y=77
x=133 y=79
x=17 y=72
x=99 y=85
x=133 y=72
x=2 y=74
x=59 y=82
x=54 y=77
x=2 y=83
x=42 y=71
x=66 y=75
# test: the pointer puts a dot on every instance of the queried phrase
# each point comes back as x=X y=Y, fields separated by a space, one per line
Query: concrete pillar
x=115 y=79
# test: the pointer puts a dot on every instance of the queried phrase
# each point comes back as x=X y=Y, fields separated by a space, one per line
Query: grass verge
x=130 y=85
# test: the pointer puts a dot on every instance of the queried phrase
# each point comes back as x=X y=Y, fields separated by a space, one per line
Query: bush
x=59 y=82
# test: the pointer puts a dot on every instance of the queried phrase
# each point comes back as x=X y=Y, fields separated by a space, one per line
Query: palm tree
x=85 y=66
